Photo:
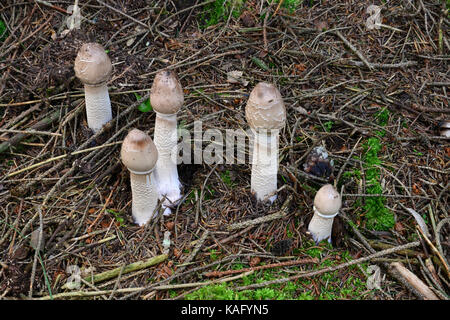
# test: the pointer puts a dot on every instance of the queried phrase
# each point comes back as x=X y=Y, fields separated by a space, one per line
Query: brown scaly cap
x=327 y=200
x=166 y=93
x=138 y=151
x=92 y=64
x=265 y=108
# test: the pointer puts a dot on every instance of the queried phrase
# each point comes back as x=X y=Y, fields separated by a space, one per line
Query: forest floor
x=373 y=98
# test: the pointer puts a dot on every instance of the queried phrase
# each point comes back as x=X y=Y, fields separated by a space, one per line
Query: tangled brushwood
x=341 y=190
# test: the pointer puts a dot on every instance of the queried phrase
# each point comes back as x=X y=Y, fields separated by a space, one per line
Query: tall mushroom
x=166 y=98
x=327 y=203
x=93 y=68
x=266 y=115
x=139 y=155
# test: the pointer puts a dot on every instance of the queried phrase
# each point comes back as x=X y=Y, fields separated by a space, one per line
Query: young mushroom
x=166 y=98
x=139 y=155
x=93 y=68
x=266 y=115
x=444 y=129
x=327 y=203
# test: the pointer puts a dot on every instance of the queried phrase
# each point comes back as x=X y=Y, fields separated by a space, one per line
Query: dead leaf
x=399 y=227
x=321 y=25
x=254 y=261
x=299 y=68
x=236 y=76
x=176 y=252
x=248 y=20
x=170 y=225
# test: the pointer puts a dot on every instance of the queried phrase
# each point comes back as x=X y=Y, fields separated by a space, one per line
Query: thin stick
x=20 y=136
x=436 y=251
x=81 y=294
x=45 y=133
x=277 y=215
x=267 y=266
x=107 y=275
x=197 y=284
x=413 y=280
x=61 y=157
x=355 y=51
x=197 y=247
x=330 y=269
x=124 y=14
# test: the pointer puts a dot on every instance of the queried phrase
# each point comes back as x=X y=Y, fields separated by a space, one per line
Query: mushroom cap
x=444 y=124
x=92 y=64
x=138 y=152
x=327 y=200
x=265 y=107
x=166 y=94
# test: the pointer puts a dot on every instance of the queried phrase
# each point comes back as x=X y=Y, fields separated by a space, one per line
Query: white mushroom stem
x=321 y=225
x=144 y=197
x=265 y=164
x=98 y=106
x=166 y=174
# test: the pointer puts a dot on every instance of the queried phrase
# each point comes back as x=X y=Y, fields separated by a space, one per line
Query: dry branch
x=135 y=266
x=267 y=266
x=330 y=269
x=277 y=215
x=38 y=126
x=413 y=281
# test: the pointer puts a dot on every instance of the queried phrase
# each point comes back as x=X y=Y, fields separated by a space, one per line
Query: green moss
x=290 y=5
x=117 y=216
x=225 y=176
x=219 y=10
x=3 y=31
x=212 y=292
x=328 y=126
x=377 y=215
x=330 y=285
x=213 y=255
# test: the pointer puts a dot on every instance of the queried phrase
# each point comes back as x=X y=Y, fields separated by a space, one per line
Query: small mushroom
x=93 y=68
x=327 y=203
x=139 y=155
x=444 y=128
x=266 y=115
x=166 y=98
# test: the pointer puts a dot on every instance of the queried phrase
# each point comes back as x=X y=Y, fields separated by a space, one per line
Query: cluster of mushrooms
x=152 y=164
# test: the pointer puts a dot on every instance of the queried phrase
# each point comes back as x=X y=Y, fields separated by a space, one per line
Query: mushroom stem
x=166 y=174
x=265 y=164
x=98 y=106
x=144 y=197
x=320 y=226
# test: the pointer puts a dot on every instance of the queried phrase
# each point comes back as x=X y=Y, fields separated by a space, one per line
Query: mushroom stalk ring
x=323 y=215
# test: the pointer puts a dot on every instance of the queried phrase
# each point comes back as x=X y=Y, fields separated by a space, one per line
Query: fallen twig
x=127 y=269
x=277 y=215
x=330 y=269
x=198 y=284
x=267 y=266
x=436 y=251
x=353 y=48
x=81 y=294
x=20 y=136
x=61 y=157
x=413 y=281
